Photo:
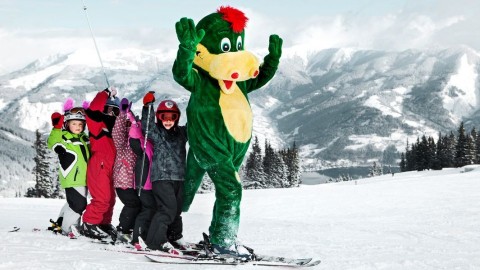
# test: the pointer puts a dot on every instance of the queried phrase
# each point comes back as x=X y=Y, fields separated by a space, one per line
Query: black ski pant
x=144 y=218
x=130 y=210
x=166 y=223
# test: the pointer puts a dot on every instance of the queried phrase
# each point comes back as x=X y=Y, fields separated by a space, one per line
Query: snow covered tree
x=268 y=161
x=44 y=186
x=279 y=175
x=450 y=143
x=461 y=148
x=292 y=161
x=375 y=170
x=253 y=169
x=472 y=147
x=477 y=149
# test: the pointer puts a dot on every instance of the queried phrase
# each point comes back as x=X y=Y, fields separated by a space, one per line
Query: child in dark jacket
x=72 y=147
x=167 y=174
x=142 y=182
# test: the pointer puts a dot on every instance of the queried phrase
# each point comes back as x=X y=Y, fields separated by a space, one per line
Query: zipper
x=75 y=177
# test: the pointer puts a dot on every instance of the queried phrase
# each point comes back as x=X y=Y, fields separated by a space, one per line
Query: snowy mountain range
x=342 y=106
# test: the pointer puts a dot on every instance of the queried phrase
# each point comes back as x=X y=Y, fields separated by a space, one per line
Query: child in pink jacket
x=143 y=185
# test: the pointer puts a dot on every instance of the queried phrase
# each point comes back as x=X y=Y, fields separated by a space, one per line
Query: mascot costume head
x=214 y=66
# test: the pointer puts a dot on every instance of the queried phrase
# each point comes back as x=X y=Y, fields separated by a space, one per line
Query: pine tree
x=450 y=143
x=423 y=157
x=254 y=176
x=440 y=154
x=375 y=170
x=292 y=161
x=42 y=172
x=268 y=161
x=472 y=146
x=403 y=163
x=470 y=151
x=477 y=149
x=279 y=174
x=431 y=150
x=461 y=148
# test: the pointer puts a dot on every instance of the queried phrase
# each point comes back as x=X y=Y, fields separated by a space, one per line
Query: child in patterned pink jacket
x=123 y=174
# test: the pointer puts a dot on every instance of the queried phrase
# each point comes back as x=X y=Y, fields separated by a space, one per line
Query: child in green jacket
x=71 y=144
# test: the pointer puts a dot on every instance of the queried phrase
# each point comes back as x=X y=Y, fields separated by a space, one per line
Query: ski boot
x=235 y=252
x=56 y=226
x=93 y=231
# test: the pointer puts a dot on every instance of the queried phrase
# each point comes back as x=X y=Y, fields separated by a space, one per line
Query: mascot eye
x=239 y=43
x=225 y=45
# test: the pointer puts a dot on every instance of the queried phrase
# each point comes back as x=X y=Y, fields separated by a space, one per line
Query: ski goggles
x=111 y=110
x=76 y=110
x=166 y=116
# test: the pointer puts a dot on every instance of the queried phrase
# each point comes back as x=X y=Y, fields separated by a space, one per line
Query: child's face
x=76 y=126
x=168 y=124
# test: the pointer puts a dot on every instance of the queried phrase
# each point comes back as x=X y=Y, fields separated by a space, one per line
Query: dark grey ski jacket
x=169 y=149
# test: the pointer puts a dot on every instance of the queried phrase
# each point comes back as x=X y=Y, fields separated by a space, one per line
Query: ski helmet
x=76 y=113
x=112 y=105
x=168 y=110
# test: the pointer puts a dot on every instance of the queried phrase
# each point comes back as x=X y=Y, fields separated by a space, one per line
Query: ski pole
x=95 y=43
x=150 y=108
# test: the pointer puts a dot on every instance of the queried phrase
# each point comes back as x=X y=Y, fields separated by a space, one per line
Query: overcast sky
x=32 y=29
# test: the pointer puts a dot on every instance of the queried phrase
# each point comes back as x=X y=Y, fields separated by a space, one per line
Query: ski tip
x=313 y=263
x=15 y=229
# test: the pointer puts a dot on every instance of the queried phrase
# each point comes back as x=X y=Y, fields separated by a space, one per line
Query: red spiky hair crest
x=235 y=17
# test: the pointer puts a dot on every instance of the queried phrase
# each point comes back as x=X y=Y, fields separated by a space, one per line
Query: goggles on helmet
x=111 y=110
x=77 y=110
x=75 y=114
x=167 y=116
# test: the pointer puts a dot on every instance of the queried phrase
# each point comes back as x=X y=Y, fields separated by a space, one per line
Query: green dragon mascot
x=213 y=65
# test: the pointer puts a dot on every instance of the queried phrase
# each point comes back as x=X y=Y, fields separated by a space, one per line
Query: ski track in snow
x=414 y=220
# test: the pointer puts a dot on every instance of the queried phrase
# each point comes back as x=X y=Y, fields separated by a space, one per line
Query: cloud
x=395 y=31
x=417 y=24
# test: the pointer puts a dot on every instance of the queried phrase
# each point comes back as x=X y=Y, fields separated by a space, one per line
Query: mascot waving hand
x=213 y=65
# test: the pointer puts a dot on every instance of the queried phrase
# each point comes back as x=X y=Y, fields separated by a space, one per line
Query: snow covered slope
x=416 y=220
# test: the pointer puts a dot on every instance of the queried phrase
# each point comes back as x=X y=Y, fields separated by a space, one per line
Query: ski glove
x=148 y=98
x=112 y=91
x=57 y=120
x=188 y=36
x=125 y=105
x=275 y=47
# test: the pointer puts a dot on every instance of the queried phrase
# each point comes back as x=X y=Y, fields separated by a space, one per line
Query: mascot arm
x=189 y=38
x=270 y=64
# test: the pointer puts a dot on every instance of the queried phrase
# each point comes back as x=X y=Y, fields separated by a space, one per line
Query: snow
x=33 y=116
x=465 y=79
x=394 y=108
x=414 y=220
x=2 y=103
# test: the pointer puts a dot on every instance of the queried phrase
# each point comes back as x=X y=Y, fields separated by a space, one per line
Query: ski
x=269 y=258
x=15 y=229
x=212 y=261
x=154 y=253
x=258 y=258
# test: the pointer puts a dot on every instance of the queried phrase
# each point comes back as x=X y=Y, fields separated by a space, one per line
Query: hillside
x=416 y=220
x=343 y=107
